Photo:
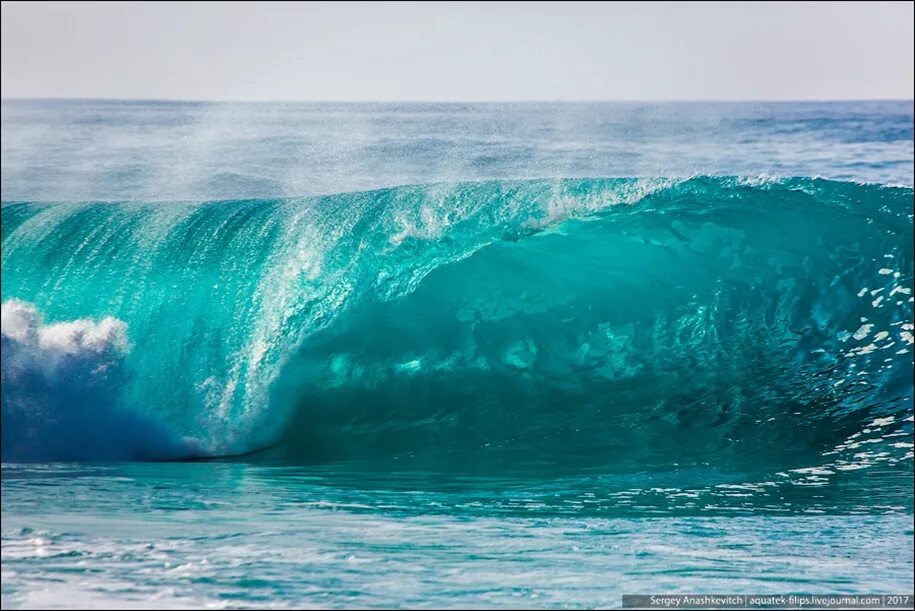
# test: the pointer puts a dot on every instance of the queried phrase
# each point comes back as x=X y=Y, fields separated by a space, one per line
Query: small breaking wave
x=62 y=393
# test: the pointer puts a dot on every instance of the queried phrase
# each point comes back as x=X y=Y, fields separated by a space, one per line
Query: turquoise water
x=464 y=373
x=249 y=535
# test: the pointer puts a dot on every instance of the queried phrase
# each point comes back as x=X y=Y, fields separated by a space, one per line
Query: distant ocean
x=454 y=355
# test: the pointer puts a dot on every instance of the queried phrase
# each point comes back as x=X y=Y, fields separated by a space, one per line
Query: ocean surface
x=454 y=355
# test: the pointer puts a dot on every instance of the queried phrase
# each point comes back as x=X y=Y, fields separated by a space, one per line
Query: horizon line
x=519 y=101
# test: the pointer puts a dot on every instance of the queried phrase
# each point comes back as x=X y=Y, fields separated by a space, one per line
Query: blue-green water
x=505 y=383
x=237 y=535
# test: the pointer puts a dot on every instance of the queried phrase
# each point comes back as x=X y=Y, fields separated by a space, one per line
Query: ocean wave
x=762 y=323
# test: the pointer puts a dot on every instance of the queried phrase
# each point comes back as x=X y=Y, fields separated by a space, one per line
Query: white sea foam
x=21 y=323
x=62 y=392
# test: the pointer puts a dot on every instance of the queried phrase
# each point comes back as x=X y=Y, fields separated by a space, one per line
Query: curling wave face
x=753 y=324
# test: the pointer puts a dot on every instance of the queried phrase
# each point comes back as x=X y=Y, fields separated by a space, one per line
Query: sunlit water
x=558 y=354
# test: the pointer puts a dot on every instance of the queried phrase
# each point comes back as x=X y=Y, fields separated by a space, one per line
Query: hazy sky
x=460 y=51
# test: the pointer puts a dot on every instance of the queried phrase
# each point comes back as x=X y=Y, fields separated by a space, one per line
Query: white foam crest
x=22 y=323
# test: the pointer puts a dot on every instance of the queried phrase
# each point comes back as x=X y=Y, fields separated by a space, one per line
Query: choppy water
x=230 y=535
x=484 y=355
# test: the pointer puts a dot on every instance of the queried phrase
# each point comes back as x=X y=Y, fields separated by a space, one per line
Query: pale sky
x=459 y=51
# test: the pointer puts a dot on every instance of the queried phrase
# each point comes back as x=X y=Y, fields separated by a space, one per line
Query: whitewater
x=605 y=336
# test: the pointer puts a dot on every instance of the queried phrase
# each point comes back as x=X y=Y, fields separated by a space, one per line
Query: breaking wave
x=623 y=322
